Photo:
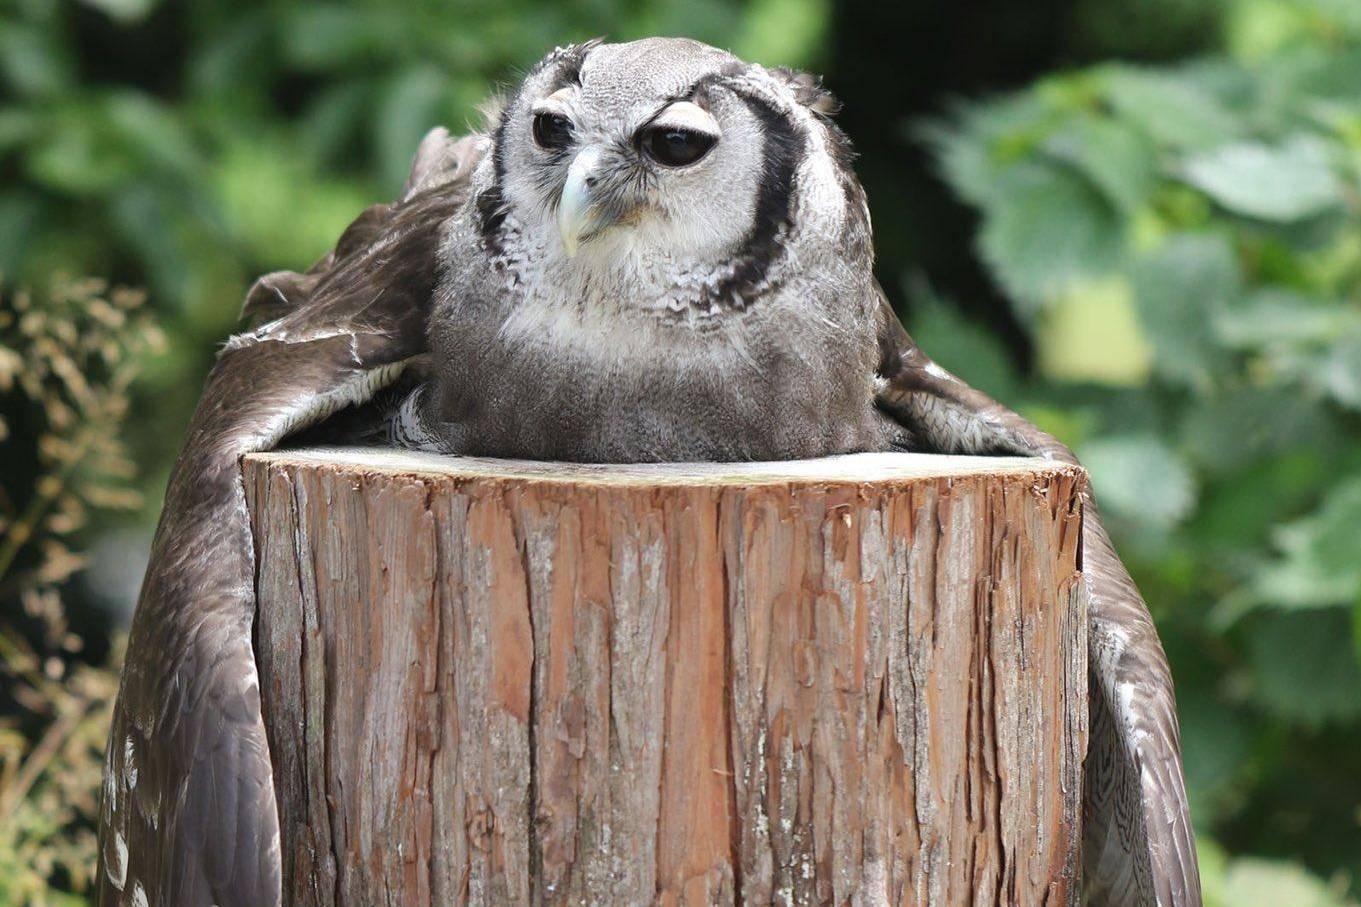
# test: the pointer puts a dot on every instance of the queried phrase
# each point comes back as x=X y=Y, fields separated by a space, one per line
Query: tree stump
x=856 y=680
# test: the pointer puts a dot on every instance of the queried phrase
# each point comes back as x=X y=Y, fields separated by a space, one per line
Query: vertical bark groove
x=852 y=681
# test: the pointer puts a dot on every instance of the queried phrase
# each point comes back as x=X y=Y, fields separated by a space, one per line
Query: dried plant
x=67 y=361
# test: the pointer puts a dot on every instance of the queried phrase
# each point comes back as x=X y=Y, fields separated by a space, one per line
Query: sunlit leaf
x=1092 y=333
x=280 y=206
x=784 y=32
x=1289 y=182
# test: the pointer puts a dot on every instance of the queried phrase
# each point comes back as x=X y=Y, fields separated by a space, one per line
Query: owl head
x=671 y=154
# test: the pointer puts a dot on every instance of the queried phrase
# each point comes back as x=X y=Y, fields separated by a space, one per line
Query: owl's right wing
x=1138 y=850
x=188 y=815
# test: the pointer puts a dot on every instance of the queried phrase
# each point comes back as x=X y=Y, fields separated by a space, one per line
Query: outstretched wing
x=1137 y=843
x=188 y=816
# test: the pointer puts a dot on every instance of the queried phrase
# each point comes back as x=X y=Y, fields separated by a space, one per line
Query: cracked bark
x=861 y=680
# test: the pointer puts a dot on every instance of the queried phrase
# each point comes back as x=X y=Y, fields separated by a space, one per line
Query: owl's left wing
x=1138 y=849
x=188 y=816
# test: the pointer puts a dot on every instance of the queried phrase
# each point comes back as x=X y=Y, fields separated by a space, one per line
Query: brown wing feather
x=188 y=816
x=1137 y=842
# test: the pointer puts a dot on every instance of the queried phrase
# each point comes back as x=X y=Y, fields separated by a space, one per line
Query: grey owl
x=655 y=252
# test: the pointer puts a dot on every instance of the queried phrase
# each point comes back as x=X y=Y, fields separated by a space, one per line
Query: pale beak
x=578 y=215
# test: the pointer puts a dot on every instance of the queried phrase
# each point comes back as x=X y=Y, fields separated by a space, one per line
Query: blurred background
x=1137 y=221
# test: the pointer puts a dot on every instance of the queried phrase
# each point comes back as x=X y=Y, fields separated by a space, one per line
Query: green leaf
x=1337 y=372
x=1171 y=109
x=239 y=58
x=1180 y=288
x=1235 y=519
x=1356 y=631
x=1044 y=229
x=1140 y=479
x=784 y=32
x=979 y=143
x=1303 y=667
x=1273 y=317
x=1119 y=159
x=33 y=63
x=16 y=127
x=320 y=37
x=153 y=133
x=962 y=158
x=1092 y=333
x=1227 y=432
x=279 y=207
x=1320 y=562
x=80 y=153
x=1283 y=184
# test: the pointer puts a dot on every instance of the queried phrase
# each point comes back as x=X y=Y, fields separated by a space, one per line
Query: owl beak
x=578 y=215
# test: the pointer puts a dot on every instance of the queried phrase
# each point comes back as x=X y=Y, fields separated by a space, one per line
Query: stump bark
x=856 y=680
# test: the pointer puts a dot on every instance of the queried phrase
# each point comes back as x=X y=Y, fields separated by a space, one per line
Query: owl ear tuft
x=491 y=110
x=808 y=90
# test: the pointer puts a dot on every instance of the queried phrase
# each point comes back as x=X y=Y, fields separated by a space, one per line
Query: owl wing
x=188 y=815
x=1137 y=843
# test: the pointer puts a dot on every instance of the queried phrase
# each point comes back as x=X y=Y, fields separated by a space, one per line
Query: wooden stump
x=856 y=680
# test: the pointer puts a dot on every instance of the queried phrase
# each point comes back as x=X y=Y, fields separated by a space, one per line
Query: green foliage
x=1218 y=203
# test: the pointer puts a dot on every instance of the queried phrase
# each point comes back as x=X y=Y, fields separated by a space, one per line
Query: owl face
x=657 y=150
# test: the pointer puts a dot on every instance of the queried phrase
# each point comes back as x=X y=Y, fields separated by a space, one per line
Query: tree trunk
x=857 y=680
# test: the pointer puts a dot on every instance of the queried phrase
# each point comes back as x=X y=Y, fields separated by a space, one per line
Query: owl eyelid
x=685 y=116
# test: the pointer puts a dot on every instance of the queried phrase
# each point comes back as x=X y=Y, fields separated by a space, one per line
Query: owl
x=655 y=251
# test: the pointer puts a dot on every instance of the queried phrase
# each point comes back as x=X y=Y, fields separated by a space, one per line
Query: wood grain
x=859 y=680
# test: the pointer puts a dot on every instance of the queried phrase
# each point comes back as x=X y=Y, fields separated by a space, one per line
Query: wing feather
x=188 y=815
x=1137 y=843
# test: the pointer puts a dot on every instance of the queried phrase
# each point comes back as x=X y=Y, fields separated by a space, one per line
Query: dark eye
x=552 y=130
x=674 y=147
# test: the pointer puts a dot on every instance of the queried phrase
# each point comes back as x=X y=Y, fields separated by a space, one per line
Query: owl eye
x=552 y=131
x=673 y=147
